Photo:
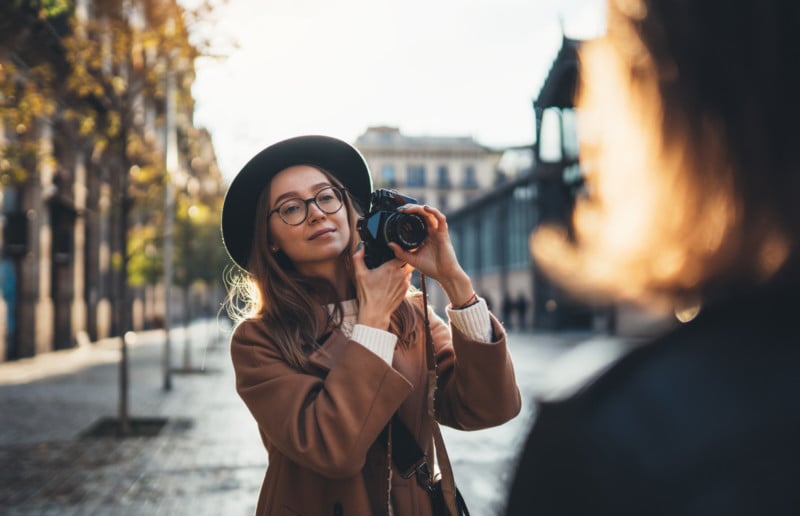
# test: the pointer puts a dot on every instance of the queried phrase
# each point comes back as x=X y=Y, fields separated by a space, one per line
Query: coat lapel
x=332 y=345
x=326 y=356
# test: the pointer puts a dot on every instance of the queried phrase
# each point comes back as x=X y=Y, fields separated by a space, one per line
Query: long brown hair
x=289 y=302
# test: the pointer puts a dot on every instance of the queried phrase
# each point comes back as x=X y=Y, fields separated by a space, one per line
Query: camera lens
x=407 y=230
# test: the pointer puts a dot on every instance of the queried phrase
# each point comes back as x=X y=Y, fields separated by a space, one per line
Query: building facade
x=81 y=174
x=443 y=171
x=491 y=234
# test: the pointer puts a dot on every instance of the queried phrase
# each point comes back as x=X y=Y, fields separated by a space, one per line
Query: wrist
x=374 y=321
x=459 y=291
x=472 y=300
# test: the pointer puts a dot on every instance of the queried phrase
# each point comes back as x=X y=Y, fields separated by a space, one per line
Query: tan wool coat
x=320 y=429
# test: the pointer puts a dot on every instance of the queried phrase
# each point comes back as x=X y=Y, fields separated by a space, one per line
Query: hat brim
x=339 y=158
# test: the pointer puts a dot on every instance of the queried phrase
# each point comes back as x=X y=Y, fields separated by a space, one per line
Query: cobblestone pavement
x=207 y=459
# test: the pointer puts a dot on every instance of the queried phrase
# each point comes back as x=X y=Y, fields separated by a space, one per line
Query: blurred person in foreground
x=689 y=117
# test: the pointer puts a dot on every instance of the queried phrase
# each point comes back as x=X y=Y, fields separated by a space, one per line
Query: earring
x=274 y=249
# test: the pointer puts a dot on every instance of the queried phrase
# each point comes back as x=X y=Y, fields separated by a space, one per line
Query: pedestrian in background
x=521 y=305
x=508 y=310
x=689 y=138
x=328 y=350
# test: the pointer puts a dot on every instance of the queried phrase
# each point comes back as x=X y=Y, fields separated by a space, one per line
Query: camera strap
x=406 y=453
x=448 y=486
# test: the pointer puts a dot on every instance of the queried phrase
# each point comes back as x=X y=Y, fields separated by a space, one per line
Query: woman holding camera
x=328 y=350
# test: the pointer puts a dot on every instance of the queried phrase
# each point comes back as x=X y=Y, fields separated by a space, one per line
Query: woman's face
x=317 y=242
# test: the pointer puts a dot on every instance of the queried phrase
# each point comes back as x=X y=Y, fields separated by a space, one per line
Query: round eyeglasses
x=294 y=211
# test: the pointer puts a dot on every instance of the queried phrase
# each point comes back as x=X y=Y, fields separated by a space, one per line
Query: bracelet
x=473 y=299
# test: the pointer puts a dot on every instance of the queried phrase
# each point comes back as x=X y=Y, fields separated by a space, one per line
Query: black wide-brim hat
x=337 y=157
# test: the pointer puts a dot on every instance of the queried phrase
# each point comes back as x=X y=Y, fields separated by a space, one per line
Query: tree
x=102 y=77
x=31 y=61
x=117 y=63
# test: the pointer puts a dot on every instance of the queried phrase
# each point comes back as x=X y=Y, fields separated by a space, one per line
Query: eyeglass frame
x=340 y=194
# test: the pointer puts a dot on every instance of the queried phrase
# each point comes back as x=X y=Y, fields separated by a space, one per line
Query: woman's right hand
x=380 y=290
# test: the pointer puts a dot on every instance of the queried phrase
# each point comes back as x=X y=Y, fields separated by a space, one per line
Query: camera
x=384 y=224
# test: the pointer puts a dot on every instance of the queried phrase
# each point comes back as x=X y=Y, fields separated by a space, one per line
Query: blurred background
x=121 y=122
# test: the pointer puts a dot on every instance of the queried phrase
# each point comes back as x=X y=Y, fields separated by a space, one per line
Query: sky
x=337 y=67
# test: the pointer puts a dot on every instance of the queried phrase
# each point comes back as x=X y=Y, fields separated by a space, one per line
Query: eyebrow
x=292 y=194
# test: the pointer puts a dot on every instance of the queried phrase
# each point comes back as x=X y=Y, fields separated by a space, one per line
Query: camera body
x=384 y=224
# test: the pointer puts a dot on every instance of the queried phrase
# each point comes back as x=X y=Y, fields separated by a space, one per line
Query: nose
x=314 y=212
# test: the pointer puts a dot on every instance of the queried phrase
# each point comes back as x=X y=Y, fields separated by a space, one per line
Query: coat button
x=337 y=509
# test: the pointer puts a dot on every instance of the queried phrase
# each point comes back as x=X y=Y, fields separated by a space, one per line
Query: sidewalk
x=207 y=460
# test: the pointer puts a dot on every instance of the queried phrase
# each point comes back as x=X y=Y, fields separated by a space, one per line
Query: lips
x=320 y=233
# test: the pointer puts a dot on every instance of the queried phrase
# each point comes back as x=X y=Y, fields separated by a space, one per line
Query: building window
x=388 y=176
x=471 y=258
x=522 y=220
x=15 y=226
x=415 y=175
x=10 y=199
x=443 y=202
x=489 y=233
x=442 y=177
x=470 y=178
x=455 y=239
x=469 y=197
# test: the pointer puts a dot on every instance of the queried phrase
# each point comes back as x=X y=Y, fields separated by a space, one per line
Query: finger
x=419 y=209
x=441 y=220
x=416 y=209
x=425 y=212
x=410 y=207
x=358 y=259
x=402 y=255
x=396 y=263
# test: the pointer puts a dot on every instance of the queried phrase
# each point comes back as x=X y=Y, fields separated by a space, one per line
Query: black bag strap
x=453 y=501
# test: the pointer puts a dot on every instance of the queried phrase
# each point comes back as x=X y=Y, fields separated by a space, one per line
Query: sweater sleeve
x=380 y=342
x=473 y=321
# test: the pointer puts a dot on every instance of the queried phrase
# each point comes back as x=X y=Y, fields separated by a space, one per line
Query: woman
x=330 y=350
x=692 y=202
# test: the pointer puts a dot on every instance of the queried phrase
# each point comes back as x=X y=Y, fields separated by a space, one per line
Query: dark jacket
x=702 y=421
x=321 y=429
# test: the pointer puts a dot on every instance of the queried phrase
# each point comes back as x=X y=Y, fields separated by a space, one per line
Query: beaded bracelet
x=473 y=299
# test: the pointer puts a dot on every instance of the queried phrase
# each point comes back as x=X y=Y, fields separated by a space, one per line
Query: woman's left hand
x=436 y=257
